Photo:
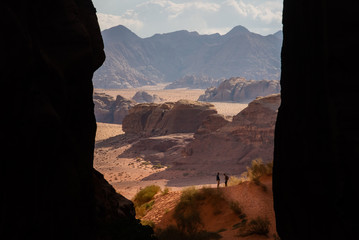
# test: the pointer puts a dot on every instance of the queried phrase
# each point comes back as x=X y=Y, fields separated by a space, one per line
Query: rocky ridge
x=239 y=89
x=132 y=61
x=194 y=82
x=201 y=146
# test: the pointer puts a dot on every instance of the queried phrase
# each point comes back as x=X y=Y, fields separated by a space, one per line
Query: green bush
x=258 y=169
x=145 y=195
x=143 y=201
x=187 y=213
x=257 y=226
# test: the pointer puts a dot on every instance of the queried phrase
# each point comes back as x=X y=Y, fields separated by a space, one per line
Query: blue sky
x=148 y=17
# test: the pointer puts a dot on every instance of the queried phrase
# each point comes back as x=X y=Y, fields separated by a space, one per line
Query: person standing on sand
x=218 y=180
x=226 y=178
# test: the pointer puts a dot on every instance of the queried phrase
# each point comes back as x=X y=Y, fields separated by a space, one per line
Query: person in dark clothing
x=218 y=180
x=226 y=178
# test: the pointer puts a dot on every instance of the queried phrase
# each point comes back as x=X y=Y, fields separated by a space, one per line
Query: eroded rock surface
x=150 y=119
x=240 y=90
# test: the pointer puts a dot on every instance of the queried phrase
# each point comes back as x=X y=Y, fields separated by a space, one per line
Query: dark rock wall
x=315 y=181
x=49 y=189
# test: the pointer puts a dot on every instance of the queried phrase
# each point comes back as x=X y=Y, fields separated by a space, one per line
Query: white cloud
x=269 y=11
x=221 y=31
x=129 y=19
x=147 y=17
x=176 y=9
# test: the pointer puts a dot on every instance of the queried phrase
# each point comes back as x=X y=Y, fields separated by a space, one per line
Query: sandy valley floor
x=127 y=174
x=172 y=95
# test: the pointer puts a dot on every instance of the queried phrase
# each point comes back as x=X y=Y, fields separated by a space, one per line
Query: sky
x=148 y=17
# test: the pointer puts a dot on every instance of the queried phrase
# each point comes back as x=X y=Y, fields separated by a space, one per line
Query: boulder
x=150 y=119
x=145 y=97
x=109 y=110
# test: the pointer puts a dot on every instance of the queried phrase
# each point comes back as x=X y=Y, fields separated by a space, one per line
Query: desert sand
x=127 y=174
x=253 y=200
x=173 y=95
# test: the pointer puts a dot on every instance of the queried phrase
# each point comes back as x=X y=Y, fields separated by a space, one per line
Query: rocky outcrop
x=145 y=97
x=194 y=82
x=240 y=90
x=109 y=110
x=232 y=146
x=160 y=119
x=217 y=144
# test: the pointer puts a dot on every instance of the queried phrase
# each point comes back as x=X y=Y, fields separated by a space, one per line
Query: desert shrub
x=233 y=181
x=187 y=213
x=148 y=223
x=257 y=226
x=145 y=195
x=257 y=170
x=143 y=200
x=165 y=191
x=234 y=205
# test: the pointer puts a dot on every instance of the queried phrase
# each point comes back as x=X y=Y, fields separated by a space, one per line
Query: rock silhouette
x=49 y=189
x=315 y=178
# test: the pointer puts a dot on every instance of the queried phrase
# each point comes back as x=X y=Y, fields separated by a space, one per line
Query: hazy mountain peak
x=238 y=30
x=133 y=61
x=119 y=32
x=279 y=34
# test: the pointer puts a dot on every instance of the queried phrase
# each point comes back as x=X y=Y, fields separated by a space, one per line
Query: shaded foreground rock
x=153 y=119
x=115 y=215
x=240 y=90
x=315 y=180
x=49 y=189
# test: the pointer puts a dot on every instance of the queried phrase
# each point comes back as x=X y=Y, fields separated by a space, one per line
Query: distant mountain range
x=132 y=61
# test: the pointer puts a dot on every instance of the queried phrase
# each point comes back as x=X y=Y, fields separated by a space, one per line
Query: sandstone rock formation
x=194 y=82
x=240 y=90
x=232 y=147
x=145 y=97
x=109 y=110
x=150 y=119
x=216 y=144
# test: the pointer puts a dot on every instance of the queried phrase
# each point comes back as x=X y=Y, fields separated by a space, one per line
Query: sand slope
x=254 y=201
